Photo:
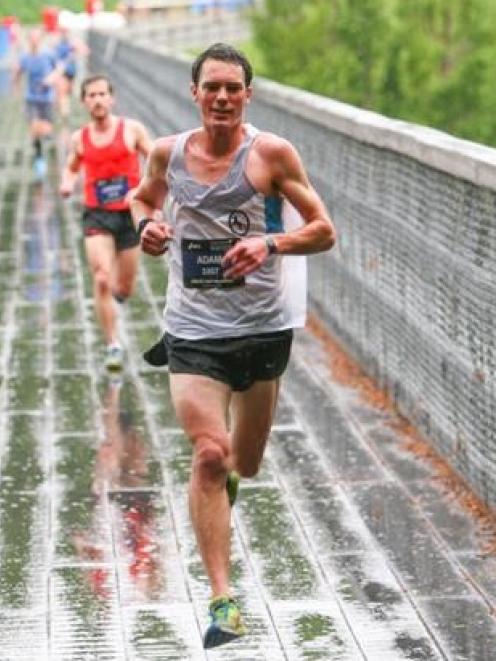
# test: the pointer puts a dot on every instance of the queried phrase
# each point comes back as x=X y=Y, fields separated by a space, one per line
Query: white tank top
x=206 y=220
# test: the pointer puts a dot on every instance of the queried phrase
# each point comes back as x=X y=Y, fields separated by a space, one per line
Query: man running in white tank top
x=228 y=325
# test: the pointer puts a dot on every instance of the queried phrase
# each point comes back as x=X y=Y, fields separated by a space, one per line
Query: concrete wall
x=411 y=287
x=189 y=31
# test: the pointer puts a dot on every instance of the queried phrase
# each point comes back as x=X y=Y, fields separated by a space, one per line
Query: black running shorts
x=42 y=110
x=118 y=223
x=237 y=361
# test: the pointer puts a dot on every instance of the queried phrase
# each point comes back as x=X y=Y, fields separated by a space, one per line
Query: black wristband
x=271 y=244
x=142 y=224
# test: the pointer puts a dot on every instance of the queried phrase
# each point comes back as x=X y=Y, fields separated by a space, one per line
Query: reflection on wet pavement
x=344 y=548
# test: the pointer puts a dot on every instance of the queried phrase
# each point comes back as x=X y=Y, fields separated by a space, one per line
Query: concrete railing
x=189 y=32
x=169 y=25
x=411 y=287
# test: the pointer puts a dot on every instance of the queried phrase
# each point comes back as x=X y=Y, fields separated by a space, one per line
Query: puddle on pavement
x=110 y=517
x=27 y=392
x=84 y=619
x=158 y=396
x=69 y=349
x=73 y=409
x=21 y=468
x=27 y=357
x=19 y=515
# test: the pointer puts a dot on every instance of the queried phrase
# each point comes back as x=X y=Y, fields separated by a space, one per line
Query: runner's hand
x=155 y=237
x=245 y=257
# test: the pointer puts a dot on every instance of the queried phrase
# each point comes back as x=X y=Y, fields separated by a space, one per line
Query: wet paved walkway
x=345 y=548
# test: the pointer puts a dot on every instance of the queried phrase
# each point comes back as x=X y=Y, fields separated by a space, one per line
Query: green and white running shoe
x=225 y=622
x=114 y=358
x=232 y=486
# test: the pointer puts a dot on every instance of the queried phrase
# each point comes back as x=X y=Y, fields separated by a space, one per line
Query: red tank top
x=110 y=171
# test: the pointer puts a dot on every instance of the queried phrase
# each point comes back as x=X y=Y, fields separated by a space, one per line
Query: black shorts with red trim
x=117 y=223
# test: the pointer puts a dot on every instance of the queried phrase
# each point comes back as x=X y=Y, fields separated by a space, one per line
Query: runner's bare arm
x=152 y=189
x=288 y=178
x=141 y=142
x=144 y=143
x=149 y=198
x=72 y=166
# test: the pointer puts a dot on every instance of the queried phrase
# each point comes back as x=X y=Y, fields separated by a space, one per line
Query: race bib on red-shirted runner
x=202 y=268
x=111 y=190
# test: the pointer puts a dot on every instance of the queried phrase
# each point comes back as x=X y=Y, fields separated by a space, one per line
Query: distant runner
x=40 y=68
x=67 y=52
x=108 y=150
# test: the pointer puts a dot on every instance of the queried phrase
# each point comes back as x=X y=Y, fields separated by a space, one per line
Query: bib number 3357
x=202 y=267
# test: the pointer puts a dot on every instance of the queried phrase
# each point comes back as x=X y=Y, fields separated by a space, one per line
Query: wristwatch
x=142 y=224
x=271 y=244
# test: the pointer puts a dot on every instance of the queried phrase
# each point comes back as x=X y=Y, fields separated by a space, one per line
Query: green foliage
x=426 y=61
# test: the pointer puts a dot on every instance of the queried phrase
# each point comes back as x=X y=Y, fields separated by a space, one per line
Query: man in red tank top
x=107 y=149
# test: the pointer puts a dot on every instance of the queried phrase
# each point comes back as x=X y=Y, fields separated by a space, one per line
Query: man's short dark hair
x=93 y=79
x=224 y=53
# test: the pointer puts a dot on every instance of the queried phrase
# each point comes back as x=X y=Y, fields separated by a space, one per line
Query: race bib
x=111 y=190
x=202 y=267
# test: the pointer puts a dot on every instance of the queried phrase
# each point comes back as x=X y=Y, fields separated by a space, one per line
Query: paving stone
x=27 y=392
x=158 y=397
x=23 y=634
x=163 y=633
x=143 y=336
x=456 y=527
x=85 y=622
x=286 y=575
x=395 y=523
x=69 y=349
x=402 y=463
x=319 y=505
x=348 y=456
x=285 y=414
x=27 y=357
x=314 y=630
x=23 y=552
x=81 y=519
x=73 y=410
x=465 y=627
x=149 y=564
x=22 y=468
x=66 y=309
x=385 y=622
x=482 y=572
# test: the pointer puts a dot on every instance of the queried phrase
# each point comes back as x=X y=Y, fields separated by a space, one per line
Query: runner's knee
x=210 y=457
x=102 y=279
